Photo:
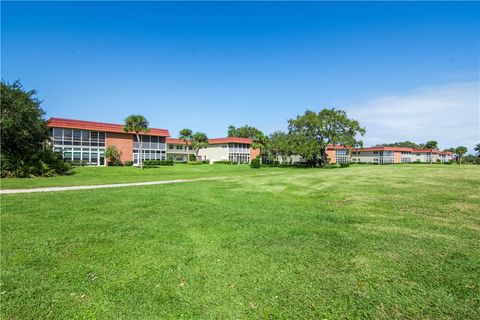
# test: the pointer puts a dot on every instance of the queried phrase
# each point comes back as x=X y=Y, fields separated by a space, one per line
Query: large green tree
x=477 y=149
x=186 y=135
x=25 y=147
x=137 y=124
x=312 y=132
x=278 y=144
x=432 y=144
x=402 y=144
x=199 y=141
x=460 y=152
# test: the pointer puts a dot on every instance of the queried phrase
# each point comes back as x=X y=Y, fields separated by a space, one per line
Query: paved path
x=101 y=186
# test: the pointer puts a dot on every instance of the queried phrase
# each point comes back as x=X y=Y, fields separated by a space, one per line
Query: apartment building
x=86 y=141
x=386 y=155
x=80 y=140
x=229 y=149
x=178 y=150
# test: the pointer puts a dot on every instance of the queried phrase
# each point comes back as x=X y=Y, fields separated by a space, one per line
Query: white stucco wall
x=214 y=152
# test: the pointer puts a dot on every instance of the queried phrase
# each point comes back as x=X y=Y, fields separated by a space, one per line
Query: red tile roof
x=230 y=139
x=215 y=140
x=382 y=149
x=99 y=126
x=337 y=147
x=176 y=141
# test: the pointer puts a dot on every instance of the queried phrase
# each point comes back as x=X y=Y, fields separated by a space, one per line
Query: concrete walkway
x=101 y=186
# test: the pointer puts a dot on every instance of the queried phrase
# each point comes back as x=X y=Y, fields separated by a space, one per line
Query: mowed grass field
x=112 y=175
x=399 y=241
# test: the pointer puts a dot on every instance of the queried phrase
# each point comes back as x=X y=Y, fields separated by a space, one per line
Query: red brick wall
x=331 y=155
x=254 y=153
x=397 y=157
x=124 y=142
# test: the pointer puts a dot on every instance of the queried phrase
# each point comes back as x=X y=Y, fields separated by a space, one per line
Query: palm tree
x=199 y=140
x=477 y=148
x=186 y=135
x=137 y=124
x=460 y=151
x=259 y=141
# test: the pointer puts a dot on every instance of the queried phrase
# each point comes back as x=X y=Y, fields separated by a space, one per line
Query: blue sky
x=406 y=71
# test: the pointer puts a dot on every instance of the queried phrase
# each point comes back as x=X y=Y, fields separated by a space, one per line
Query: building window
x=342 y=156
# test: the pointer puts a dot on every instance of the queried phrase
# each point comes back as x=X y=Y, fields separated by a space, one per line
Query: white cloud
x=449 y=114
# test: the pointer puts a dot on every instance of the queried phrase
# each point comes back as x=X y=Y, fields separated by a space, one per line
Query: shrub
x=222 y=162
x=77 y=163
x=195 y=163
x=128 y=163
x=344 y=165
x=115 y=163
x=156 y=163
x=43 y=164
x=255 y=163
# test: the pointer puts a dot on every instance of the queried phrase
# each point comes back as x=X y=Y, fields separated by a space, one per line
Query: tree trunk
x=323 y=158
x=186 y=148
x=140 y=155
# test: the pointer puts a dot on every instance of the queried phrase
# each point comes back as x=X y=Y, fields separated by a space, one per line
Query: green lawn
x=107 y=175
x=399 y=241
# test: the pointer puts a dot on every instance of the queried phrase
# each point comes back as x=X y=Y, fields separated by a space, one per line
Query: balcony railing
x=150 y=145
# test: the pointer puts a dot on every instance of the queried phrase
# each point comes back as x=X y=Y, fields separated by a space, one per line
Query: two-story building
x=386 y=155
x=86 y=141
x=218 y=149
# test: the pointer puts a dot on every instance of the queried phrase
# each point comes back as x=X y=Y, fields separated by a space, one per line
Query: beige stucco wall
x=364 y=157
x=214 y=152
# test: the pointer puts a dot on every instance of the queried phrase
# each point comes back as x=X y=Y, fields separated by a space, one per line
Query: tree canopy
x=432 y=144
x=477 y=149
x=199 y=141
x=25 y=149
x=402 y=144
x=312 y=132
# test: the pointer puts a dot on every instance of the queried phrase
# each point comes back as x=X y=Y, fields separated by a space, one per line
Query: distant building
x=386 y=155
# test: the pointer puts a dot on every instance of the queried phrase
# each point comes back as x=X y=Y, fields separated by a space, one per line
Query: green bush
x=156 y=163
x=43 y=164
x=115 y=163
x=344 y=165
x=222 y=162
x=77 y=163
x=128 y=163
x=195 y=163
x=255 y=163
